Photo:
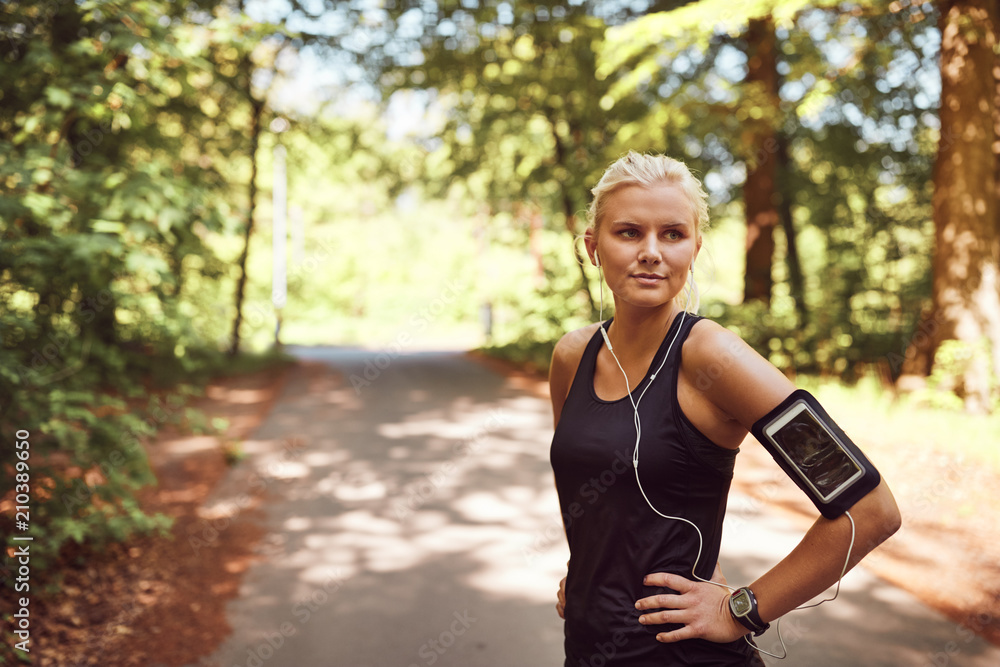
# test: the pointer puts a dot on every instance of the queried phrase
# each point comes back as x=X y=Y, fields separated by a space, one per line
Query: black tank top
x=615 y=538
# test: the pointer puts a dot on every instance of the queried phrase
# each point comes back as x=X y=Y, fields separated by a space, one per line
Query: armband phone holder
x=816 y=454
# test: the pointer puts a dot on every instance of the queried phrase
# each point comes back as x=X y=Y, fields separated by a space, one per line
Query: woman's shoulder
x=711 y=348
x=708 y=339
x=570 y=348
x=723 y=367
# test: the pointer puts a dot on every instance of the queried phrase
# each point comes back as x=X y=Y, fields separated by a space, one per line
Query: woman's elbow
x=883 y=514
x=892 y=520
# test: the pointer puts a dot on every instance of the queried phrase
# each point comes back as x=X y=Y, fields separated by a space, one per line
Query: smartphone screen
x=814 y=452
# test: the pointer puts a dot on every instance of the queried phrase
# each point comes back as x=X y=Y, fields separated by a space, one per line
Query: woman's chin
x=646 y=300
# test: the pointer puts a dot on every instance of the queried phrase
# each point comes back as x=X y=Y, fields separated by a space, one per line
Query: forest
x=446 y=148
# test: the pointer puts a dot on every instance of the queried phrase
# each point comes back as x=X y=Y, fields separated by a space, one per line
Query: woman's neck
x=635 y=331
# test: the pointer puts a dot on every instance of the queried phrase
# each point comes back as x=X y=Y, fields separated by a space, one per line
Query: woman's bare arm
x=733 y=387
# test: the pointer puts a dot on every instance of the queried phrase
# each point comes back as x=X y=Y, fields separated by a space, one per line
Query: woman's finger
x=677 y=635
x=661 y=601
x=677 y=616
x=665 y=579
x=561 y=596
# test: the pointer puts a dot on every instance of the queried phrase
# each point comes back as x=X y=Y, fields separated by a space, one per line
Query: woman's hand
x=702 y=609
x=561 y=604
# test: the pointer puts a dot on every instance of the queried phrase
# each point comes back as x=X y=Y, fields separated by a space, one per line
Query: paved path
x=412 y=521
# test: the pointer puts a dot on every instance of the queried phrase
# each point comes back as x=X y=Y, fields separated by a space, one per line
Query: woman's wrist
x=743 y=609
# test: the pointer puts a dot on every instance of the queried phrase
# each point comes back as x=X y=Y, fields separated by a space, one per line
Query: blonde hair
x=648 y=170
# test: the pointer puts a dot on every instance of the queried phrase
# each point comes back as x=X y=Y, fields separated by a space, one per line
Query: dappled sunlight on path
x=412 y=520
x=418 y=506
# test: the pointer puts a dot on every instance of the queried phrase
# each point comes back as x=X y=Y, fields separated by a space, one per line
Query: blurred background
x=188 y=186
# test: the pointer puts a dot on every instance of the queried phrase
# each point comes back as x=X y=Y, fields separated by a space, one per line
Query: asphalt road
x=412 y=521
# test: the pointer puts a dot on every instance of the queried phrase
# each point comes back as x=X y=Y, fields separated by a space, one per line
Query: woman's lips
x=648 y=278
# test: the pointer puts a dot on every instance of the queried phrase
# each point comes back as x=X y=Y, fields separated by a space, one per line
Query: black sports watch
x=743 y=607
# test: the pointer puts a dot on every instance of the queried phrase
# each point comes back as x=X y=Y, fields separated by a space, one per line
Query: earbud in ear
x=597 y=260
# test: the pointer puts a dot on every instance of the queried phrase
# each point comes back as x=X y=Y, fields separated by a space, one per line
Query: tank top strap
x=588 y=362
x=678 y=338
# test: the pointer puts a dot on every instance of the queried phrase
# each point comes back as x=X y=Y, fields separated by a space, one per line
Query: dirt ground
x=160 y=602
x=945 y=554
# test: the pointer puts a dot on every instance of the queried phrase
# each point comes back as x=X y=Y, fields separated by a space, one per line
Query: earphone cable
x=692 y=290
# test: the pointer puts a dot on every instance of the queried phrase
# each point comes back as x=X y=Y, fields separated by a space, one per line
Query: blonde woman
x=650 y=408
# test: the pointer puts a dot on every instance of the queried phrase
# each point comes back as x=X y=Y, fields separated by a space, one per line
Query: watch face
x=741 y=603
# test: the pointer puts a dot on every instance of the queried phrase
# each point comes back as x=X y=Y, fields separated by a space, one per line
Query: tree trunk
x=569 y=212
x=257 y=109
x=759 y=189
x=966 y=261
x=796 y=280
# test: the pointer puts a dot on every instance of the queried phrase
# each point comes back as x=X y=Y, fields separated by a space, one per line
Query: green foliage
x=527 y=125
x=953 y=361
x=125 y=164
x=857 y=182
x=880 y=420
x=119 y=141
x=531 y=117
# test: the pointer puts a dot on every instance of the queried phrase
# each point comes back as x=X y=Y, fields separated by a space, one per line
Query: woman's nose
x=649 y=250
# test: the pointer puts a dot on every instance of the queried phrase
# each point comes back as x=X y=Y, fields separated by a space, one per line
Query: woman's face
x=647 y=242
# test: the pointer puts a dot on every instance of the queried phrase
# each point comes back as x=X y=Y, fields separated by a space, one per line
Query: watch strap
x=751 y=620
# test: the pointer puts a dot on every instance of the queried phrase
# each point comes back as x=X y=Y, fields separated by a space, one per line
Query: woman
x=644 y=525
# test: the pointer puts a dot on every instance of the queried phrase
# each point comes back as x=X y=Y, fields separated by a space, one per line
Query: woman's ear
x=590 y=242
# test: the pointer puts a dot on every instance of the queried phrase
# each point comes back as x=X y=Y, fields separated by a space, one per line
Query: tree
x=849 y=133
x=115 y=139
x=529 y=117
x=760 y=188
x=256 y=101
x=966 y=260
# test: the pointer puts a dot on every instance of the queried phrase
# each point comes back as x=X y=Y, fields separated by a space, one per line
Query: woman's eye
x=629 y=233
